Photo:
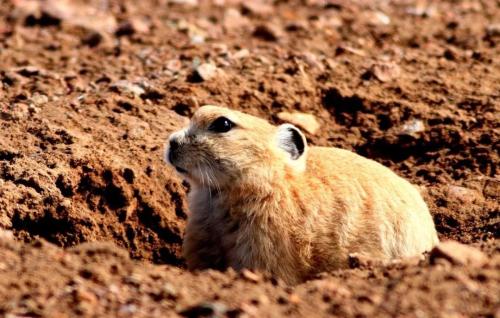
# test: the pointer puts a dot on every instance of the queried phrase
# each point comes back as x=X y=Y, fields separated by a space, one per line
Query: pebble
x=234 y=20
x=28 y=71
x=33 y=109
x=127 y=309
x=168 y=291
x=39 y=99
x=344 y=48
x=378 y=18
x=18 y=111
x=412 y=127
x=458 y=254
x=422 y=9
x=133 y=25
x=312 y=60
x=173 y=65
x=493 y=29
x=137 y=128
x=257 y=8
x=385 y=71
x=206 y=71
x=240 y=54
x=492 y=189
x=211 y=309
x=128 y=87
x=268 y=32
x=184 y=2
x=250 y=276
x=463 y=195
x=308 y=122
x=196 y=34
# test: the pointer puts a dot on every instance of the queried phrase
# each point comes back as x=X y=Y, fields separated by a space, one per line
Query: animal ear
x=291 y=140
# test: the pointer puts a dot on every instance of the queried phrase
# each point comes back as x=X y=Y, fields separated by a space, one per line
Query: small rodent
x=262 y=199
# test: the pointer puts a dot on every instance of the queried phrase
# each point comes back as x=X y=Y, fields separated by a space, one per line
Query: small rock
x=206 y=71
x=385 y=72
x=168 y=291
x=312 y=60
x=493 y=29
x=240 y=54
x=33 y=109
x=300 y=25
x=196 y=34
x=127 y=309
x=331 y=22
x=220 y=49
x=137 y=128
x=214 y=309
x=458 y=254
x=308 y=122
x=463 y=195
x=70 y=12
x=28 y=71
x=250 y=276
x=184 y=2
x=257 y=8
x=173 y=65
x=422 y=9
x=128 y=87
x=268 y=32
x=492 y=189
x=66 y=203
x=412 y=127
x=234 y=20
x=134 y=25
x=197 y=39
x=85 y=296
x=344 y=48
x=39 y=99
x=245 y=310
x=17 y=111
x=378 y=18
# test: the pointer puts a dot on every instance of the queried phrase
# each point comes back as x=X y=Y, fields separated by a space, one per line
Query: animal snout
x=174 y=146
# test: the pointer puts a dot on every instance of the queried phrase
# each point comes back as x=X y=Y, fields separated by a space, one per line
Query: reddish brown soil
x=81 y=155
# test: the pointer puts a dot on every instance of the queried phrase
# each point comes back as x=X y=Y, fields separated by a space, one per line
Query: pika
x=262 y=199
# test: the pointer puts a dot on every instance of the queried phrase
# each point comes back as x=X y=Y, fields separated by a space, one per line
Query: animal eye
x=221 y=125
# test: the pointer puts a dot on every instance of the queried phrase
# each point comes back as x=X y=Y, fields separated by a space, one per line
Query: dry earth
x=93 y=220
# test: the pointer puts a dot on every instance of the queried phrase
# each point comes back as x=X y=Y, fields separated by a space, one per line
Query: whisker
x=209 y=187
x=216 y=182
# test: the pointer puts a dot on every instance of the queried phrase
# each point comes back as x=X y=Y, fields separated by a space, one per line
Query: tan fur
x=252 y=206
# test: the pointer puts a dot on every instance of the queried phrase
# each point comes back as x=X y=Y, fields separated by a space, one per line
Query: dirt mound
x=89 y=91
x=100 y=279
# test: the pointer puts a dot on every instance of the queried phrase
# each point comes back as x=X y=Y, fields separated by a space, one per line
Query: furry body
x=259 y=203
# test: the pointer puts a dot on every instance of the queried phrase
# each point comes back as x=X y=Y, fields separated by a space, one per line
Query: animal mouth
x=181 y=170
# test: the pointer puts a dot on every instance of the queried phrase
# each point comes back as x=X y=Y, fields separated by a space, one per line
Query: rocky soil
x=91 y=219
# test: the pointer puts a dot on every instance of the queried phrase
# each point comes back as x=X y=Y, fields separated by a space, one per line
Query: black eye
x=221 y=125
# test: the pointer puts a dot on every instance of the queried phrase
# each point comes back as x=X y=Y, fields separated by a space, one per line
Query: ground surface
x=90 y=90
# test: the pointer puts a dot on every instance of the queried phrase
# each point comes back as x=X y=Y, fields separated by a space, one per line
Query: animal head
x=222 y=146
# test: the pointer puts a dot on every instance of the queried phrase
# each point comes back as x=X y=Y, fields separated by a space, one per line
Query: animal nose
x=173 y=147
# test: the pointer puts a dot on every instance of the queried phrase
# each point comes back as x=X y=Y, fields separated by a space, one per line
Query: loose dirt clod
x=458 y=254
